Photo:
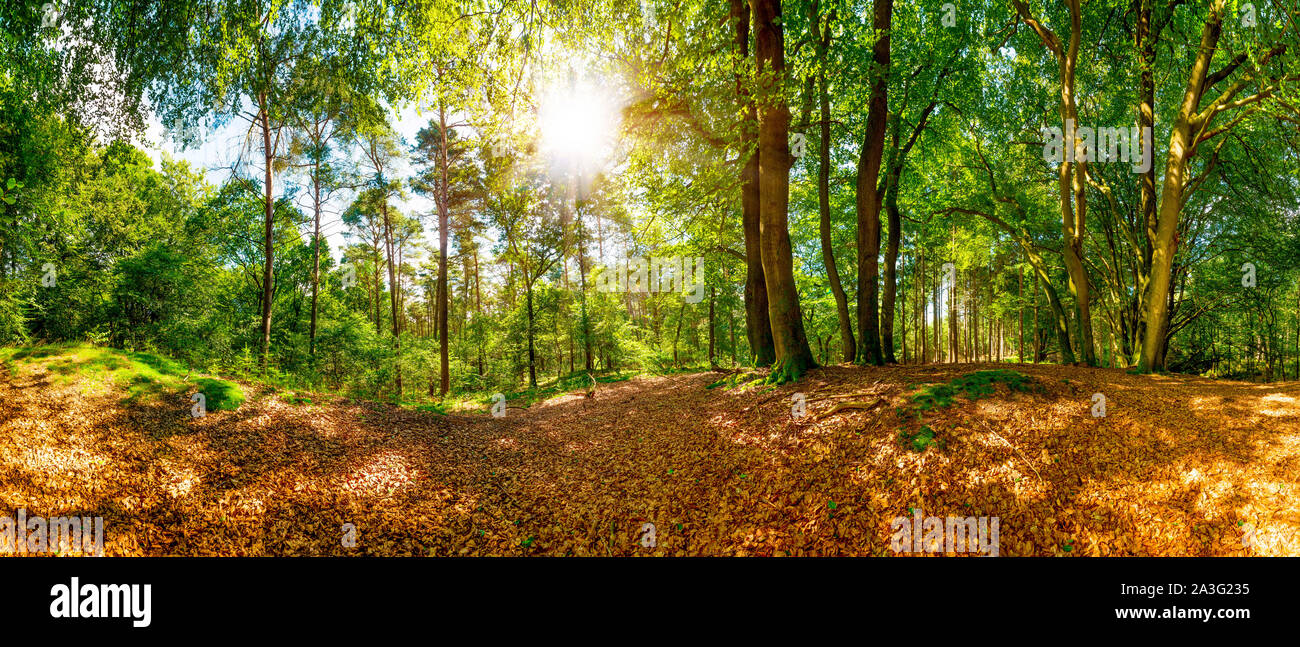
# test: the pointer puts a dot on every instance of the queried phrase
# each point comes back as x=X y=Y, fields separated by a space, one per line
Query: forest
x=428 y=234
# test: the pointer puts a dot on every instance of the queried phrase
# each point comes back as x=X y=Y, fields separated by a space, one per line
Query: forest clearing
x=651 y=277
x=1177 y=466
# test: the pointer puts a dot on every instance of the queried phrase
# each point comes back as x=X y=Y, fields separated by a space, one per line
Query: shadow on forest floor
x=1177 y=466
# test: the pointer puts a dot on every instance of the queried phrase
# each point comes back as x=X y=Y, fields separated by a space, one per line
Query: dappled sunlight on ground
x=384 y=473
x=1177 y=466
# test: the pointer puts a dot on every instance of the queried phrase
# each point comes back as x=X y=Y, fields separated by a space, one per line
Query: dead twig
x=1013 y=448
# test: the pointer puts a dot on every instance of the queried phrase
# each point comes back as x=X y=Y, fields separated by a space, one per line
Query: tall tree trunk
x=532 y=352
x=891 y=269
x=868 y=196
x=1145 y=45
x=793 y=355
x=1020 y=322
x=393 y=289
x=268 y=286
x=1072 y=172
x=1165 y=243
x=822 y=40
x=444 y=373
x=758 y=326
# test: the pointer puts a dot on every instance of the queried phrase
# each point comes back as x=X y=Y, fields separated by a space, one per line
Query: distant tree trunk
x=938 y=349
x=793 y=355
x=315 y=255
x=582 y=280
x=677 y=335
x=954 y=335
x=1038 y=338
x=868 y=197
x=393 y=289
x=1020 y=321
x=712 y=295
x=532 y=352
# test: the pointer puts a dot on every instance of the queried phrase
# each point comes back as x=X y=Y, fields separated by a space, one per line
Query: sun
x=577 y=125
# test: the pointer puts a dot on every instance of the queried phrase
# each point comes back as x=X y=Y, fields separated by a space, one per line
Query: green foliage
x=149 y=255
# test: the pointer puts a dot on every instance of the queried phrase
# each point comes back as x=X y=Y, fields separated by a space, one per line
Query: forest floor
x=1177 y=466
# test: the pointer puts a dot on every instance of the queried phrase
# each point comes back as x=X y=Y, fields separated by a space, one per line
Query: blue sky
x=218 y=150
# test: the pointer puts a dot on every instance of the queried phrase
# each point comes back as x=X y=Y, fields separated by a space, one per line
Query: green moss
x=741 y=379
x=790 y=370
x=919 y=441
x=972 y=386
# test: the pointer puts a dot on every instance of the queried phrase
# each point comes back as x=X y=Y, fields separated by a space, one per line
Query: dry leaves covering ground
x=1178 y=466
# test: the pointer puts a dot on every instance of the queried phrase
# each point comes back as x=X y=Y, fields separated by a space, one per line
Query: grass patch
x=432 y=408
x=221 y=395
x=143 y=376
x=921 y=439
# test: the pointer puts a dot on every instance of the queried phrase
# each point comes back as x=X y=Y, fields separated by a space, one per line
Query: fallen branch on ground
x=849 y=405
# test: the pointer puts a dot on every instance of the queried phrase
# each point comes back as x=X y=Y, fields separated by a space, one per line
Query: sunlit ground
x=1178 y=466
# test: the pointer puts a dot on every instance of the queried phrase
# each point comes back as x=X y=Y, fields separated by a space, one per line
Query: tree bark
x=268 y=288
x=822 y=40
x=444 y=374
x=1165 y=243
x=793 y=355
x=868 y=198
x=758 y=326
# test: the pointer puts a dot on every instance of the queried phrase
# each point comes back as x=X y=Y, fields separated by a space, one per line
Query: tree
x=821 y=28
x=793 y=356
x=450 y=178
x=868 y=193
x=380 y=150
